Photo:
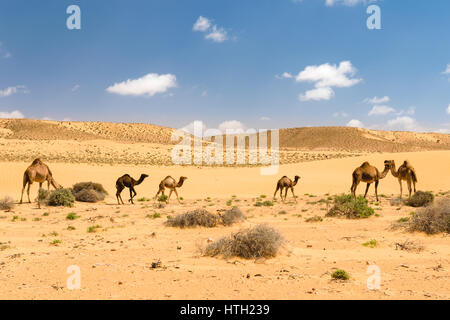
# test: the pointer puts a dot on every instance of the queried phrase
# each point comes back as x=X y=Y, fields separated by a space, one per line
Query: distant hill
x=361 y=140
x=28 y=129
x=338 y=139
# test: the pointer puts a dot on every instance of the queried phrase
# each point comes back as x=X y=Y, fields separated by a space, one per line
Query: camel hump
x=36 y=161
x=365 y=164
x=408 y=164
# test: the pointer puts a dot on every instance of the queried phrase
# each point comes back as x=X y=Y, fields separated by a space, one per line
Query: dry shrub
x=89 y=195
x=420 y=199
x=203 y=218
x=432 y=219
x=89 y=192
x=260 y=241
x=198 y=217
x=232 y=216
x=7 y=204
x=409 y=245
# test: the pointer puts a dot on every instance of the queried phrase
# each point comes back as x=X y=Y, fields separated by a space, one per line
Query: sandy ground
x=115 y=261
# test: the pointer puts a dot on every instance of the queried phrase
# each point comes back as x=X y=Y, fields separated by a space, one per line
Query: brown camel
x=405 y=172
x=286 y=183
x=38 y=172
x=369 y=174
x=127 y=181
x=171 y=184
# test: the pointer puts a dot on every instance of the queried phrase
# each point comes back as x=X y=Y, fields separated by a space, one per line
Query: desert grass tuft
x=260 y=241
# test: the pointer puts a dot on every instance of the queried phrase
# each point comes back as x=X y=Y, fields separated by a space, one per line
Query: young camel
x=405 y=172
x=171 y=184
x=127 y=181
x=287 y=183
x=38 y=172
x=369 y=174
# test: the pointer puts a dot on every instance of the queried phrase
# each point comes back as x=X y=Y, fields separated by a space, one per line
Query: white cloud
x=217 y=35
x=284 y=75
x=447 y=71
x=355 y=124
x=411 y=111
x=202 y=24
x=148 y=85
x=204 y=93
x=448 y=109
x=16 y=114
x=75 y=87
x=317 y=94
x=325 y=77
x=381 y=110
x=340 y=114
x=350 y=3
x=3 y=52
x=232 y=126
x=264 y=118
x=13 y=90
x=404 y=123
x=376 y=100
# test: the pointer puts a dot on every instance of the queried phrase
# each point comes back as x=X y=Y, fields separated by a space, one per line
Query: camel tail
x=354 y=180
x=26 y=179
x=414 y=176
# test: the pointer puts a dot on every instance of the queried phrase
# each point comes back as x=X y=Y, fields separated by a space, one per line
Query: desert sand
x=116 y=260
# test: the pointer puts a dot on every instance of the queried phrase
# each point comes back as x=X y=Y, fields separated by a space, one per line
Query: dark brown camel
x=369 y=174
x=286 y=183
x=127 y=181
x=171 y=184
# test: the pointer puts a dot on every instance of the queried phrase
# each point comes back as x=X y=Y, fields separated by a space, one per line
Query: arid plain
x=116 y=260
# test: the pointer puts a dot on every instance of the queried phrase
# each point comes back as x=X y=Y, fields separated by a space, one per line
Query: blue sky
x=252 y=63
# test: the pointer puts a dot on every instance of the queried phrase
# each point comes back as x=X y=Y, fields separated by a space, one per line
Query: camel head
x=181 y=181
x=143 y=176
x=389 y=164
x=296 y=178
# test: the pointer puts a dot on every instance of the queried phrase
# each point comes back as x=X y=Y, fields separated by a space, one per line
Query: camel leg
x=134 y=194
x=295 y=198
x=376 y=189
x=276 y=190
x=367 y=190
x=176 y=193
x=170 y=193
x=281 y=193
x=159 y=191
x=120 y=196
x=409 y=187
x=354 y=187
x=131 y=195
x=28 y=192
x=401 y=188
x=23 y=189
x=285 y=193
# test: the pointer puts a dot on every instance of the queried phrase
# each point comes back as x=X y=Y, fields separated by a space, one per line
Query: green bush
x=163 y=198
x=61 y=197
x=347 y=206
x=340 y=275
x=420 y=199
